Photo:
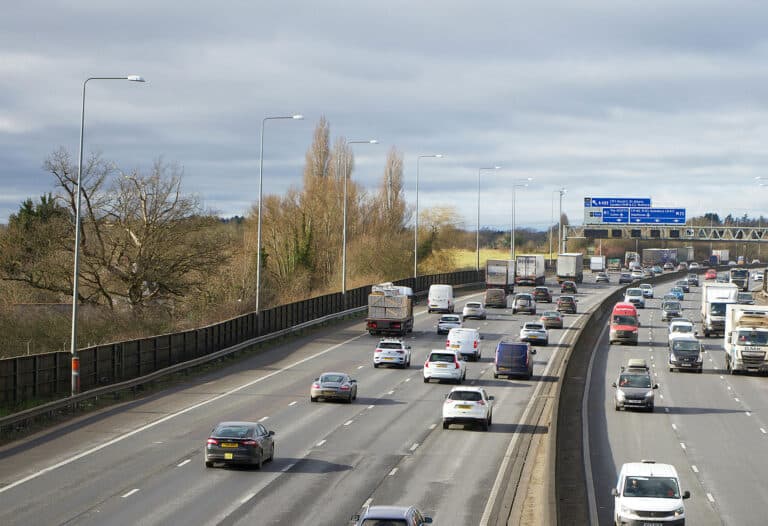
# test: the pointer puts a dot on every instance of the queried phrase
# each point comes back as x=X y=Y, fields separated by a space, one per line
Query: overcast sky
x=655 y=98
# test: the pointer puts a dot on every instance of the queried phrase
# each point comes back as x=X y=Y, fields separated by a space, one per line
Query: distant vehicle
x=693 y=279
x=566 y=304
x=333 y=386
x=524 y=302
x=710 y=274
x=513 y=359
x=529 y=270
x=746 y=338
x=602 y=277
x=678 y=292
x=473 y=309
x=624 y=324
x=597 y=263
x=670 y=309
x=239 y=443
x=570 y=267
x=745 y=298
x=657 y=270
x=568 y=287
x=683 y=284
x=758 y=276
x=625 y=277
x=634 y=388
x=714 y=299
x=500 y=274
x=635 y=296
x=392 y=351
x=668 y=266
x=740 y=278
x=551 y=319
x=637 y=274
x=682 y=266
x=685 y=352
x=468 y=405
x=755 y=262
x=542 y=295
x=440 y=299
x=465 y=342
x=679 y=326
x=390 y=310
x=722 y=278
x=444 y=364
x=693 y=265
x=647 y=289
x=534 y=332
x=647 y=489
x=731 y=263
x=399 y=515
x=448 y=322
x=496 y=298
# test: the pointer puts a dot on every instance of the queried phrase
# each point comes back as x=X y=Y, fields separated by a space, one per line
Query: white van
x=440 y=298
x=465 y=343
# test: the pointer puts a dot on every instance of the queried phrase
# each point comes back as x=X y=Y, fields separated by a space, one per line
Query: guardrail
x=71 y=402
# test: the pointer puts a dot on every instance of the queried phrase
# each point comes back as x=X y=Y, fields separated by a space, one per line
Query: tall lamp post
x=560 y=222
x=416 y=223
x=344 y=220
x=512 y=236
x=477 y=236
x=561 y=191
x=75 y=387
x=297 y=117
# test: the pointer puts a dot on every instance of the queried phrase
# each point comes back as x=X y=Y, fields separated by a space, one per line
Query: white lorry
x=746 y=338
x=714 y=299
x=597 y=263
x=570 y=267
x=500 y=274
x=529 y=270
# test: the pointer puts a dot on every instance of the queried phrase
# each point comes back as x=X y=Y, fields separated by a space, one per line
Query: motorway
x=141 y=462
x=712 y=426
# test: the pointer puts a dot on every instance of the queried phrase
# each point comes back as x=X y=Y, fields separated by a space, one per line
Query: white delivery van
x=440 y=298
x=465 y=343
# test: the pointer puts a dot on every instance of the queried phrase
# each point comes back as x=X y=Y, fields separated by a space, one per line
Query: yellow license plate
x=455 y=346
x=463 y=407
x=228 y=444
x=441 y=365
x=388 y=358
x=228 y=456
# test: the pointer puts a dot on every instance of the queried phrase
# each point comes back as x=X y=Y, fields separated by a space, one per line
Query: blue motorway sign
x=657 y=216
x=617 y=202
x=615 y=215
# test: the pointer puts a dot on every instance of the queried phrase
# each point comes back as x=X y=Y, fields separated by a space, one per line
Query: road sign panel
x=617 y=202
x=657 y=216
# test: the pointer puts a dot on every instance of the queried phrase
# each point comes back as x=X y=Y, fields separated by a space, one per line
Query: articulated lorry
x=500 y=274
x=739 y=277
x=714 y=299
x=746 y=338
x=570 y=267
x=719 y=257
x=529 y=270
x=389 y=311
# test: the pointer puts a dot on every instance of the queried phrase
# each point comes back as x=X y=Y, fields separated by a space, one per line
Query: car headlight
x=680 y=512
x=672 y=357
x=626 y=510
x=620 y=394
x=649 y=394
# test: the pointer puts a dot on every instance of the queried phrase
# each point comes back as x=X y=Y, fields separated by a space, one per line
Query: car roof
x=449 y=351
x=566 y=297
x=236 y=423
x=467 y=388
x=386 y=512
x=463 y=330
x=391 y=340
x=648 y=469
x=333 y=372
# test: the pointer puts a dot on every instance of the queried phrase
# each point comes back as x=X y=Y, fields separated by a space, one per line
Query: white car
x=757 y=276
x=647 y=290
x=693 y=265
x=392 y=351
x=636 y=297
x=444 y=364
x=681 y=327
x=534 y=332
x=474 y=309
x=448 y=322
x=648 y=493
x=465 y=342
x=470 y=405
x=637 y=274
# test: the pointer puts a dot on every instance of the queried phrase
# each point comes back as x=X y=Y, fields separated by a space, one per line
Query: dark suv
x=568 y=286
x=542 y=294
x=625 y=277
x=566 y=304
x=693 y=279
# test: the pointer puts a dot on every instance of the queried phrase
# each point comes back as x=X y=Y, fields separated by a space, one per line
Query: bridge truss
x=737 y=234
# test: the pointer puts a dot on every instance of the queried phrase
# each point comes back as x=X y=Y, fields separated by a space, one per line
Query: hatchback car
x=683 y=284
x=637 y=274
x=648 y=493
x=473 y=309
x=757 y=276
x=448 y=322
x=534 y=332
x=678 y=292
x=625 y=277
x=566 y=304
x=602 y=277
x=634 y=388
x=542 y=294
x=693 y=265
x=647 y=289
x=444 y=364
x=524 y=302
x=333 y=386
x=470 y=405
x=657 y=270
x=392 y=351
x=239 y=443
x=693 y=280
x=395 y=515
x=568 y=287
x=668 y=266
x=551 y=319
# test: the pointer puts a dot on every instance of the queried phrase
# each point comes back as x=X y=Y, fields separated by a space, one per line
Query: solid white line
x=695 y=469
x=407 y=379
x=293 y=403
x=674 y=426
x=183 y=462
x=711 y=498
x=247 y=498
x=762 y=430
x=263 y=418
x=392 y=473
x=134 y=490
x=348 y=422
x=367 y=502
x=748 y=413
x=171 y=416
x=320 y=444
x=391 y=393
x=413 y=447
x=682 y=445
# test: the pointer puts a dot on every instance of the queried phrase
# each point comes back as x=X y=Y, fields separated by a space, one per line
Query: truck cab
x=746 y=338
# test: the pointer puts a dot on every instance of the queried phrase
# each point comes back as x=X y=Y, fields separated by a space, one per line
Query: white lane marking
x=320 y=444
x=263 y=418
x=736 y=399
x=293 y=403
x=748 y=413
x=674 y=426
x=433 y=426
x=682 y=445
x=710 y=498
x=652 y=359
x=729 y=387
x=367 y=502
x=247 y=498
x=711 y=360
x=407 y=379
x=694 y=468
x=392 y=473
x=721 y=377
x=158 y=442
x=762 y=430
x=360 y=366
x=369 y=407
x=348 y=422
x=473 y=382
x=390 y=392
x=171 y=416
x=413 y=447
x=134 y=490
x=183 y=462
x=661 y=396
x=653 y=365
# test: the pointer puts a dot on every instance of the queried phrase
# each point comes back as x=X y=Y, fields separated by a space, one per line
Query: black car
x=683 y=284
x=693 y=279
x=566 y=304
x=568 y=287
x=542 y=294
x=239 y=443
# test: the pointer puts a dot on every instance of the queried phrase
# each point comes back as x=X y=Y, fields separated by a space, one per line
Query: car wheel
x=650 y=408
x=375 y=365
x=546 y=342
x=260 y=463
x=671 y=369
x=426 y=380
x=495 y=375
x=349 y=398
x=208 y=464
x=446 y=424
x=484 y=425
x=313 y=399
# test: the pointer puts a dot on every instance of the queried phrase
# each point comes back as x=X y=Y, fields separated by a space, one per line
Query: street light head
x=135 y=78
x=298 y=117
x=497 y=167
x=373 y=141
x=439 y=155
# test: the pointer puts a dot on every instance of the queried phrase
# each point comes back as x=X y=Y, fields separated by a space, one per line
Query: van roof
x=623 y=305
x=648 y=469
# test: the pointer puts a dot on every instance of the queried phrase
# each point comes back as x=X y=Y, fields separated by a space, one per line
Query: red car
x=711 y=274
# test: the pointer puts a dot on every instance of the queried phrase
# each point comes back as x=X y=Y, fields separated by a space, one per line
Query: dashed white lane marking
x=293 y=403
x=729 y=387
x=263 y=418
x=433 y=426
x=348 y=422
x=736 y=399
x=473 y=382
x=390 y=392
x=392 y=473
x=370 y=407
x=762 y=430
x=711 y=360
x=407 y=379
x=674 y=426
x=721 y=377
x=319 y=444
x=367 y=503
x=247 y=498
x=134 y=490
x=694 y=468
x=360 y=366
x=413 y=447
x=158 y=442
x=710 y=498
x=682 y=445
x=183 y=462
x=661 y=396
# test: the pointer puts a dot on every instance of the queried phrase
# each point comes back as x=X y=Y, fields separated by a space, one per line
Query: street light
x=75 y=386
x=344 y=233
x=477 y=240
x=416 y=224
x=512 y=241
x=296 y=117
x=560 y=223
x=561 y=191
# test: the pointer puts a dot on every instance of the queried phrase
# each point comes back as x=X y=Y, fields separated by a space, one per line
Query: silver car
x=473 y=309
x=534 y=332
x=333 y=386
x=634 y=389
x=448 y=322
x=400 y=515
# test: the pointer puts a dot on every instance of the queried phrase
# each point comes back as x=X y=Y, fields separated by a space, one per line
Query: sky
x=659 y=99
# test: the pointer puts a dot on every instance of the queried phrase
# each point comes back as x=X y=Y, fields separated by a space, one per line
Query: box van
x=465 y=342
x=496 y=298
x=624 y=323
x=440 y=299
x=513 y=359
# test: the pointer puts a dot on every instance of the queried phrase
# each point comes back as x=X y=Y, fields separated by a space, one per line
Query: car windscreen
x=450 y=319
x=390 y=345
x=739 y=274
x=473 y=305
x=533 y=327
x=671 y=305
x=230 y=431
x=682 y=327
x=624 y=320
x=717 y=309
x=652 y=487
x=332 y=378
x=635 y=380
x=473 y=396
x=634 y=292
x=752 y=338
x=441 y=357
x=509 y=351
x=685 y=346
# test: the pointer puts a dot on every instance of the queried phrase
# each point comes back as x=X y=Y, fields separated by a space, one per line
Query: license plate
x=503 y=368
x=228 y=444
x=388 y=358
x=463 y=407
x=441 y=365
x=651 y=524
x=455 y=346
x=633 y=401
x=329 y=392
x=228 y=456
